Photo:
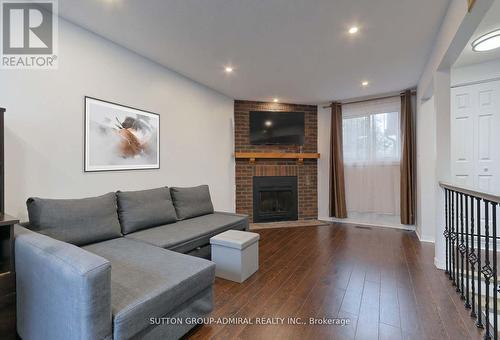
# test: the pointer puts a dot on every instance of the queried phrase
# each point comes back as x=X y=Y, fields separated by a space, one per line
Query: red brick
x=306 y=173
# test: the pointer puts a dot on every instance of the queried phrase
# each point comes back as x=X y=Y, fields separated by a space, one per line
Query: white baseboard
x=422 y=238
x=349 y=221
x=438 y=264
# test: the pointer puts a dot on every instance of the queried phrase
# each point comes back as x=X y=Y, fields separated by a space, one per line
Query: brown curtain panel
x=337 y=187
x=407 y=160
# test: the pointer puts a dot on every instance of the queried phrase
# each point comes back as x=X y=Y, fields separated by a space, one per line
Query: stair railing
x=471 y=252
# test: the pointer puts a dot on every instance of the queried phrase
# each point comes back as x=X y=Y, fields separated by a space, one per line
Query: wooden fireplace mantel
x=252 y=156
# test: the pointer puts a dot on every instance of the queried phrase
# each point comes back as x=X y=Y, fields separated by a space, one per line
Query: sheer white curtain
x=372 y=147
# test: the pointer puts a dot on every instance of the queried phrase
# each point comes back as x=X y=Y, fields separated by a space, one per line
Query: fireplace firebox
x=275 y=198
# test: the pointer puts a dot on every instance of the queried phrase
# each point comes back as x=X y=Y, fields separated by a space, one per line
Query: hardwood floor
x=382 y=279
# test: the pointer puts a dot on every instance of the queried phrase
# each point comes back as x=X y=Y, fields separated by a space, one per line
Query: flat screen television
x=270 y=127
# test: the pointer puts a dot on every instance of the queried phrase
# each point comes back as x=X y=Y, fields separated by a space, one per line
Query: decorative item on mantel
x=471 y=4
x=252 y=156
x=7 y=270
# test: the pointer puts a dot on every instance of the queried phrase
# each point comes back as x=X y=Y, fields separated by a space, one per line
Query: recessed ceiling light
x=276 y=100
x=365 y=83
x=487 y=42
x=228 y=69
x=353 y=30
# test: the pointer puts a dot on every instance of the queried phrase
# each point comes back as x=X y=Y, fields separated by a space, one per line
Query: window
x=371 y=137
x=372 y=144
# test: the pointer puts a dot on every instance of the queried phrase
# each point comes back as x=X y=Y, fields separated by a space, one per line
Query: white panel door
x=462 y=135
x=475 y=136
x=487 y=147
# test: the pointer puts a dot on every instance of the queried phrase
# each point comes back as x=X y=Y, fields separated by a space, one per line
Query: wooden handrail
x=471 y=192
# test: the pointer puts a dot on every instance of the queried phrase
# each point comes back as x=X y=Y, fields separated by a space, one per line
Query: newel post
x=440 y=240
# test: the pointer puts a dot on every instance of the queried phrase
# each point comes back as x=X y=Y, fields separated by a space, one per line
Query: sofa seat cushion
x=148 y=281
x=145 y=209
x=186 y=235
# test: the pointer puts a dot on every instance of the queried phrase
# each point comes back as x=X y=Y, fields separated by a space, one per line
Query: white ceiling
x=489 y=23
x=297 y=50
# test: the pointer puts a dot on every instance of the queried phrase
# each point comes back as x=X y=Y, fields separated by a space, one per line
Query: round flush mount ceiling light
x=365 y=83
x=353 y=30
x=276 y=100
x=487 y=42
x=229 y=69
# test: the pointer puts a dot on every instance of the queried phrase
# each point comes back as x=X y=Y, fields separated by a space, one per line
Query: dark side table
x=7 y=278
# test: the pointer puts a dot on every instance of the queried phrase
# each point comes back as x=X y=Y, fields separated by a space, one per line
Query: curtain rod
x=413 y=92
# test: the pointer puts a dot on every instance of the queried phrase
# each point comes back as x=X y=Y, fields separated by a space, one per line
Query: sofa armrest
x=63 y=292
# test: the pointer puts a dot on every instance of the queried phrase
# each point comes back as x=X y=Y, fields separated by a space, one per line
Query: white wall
x=475 y=73
x=443 y=159
x=44 y=124
x=428 y=86
x=426 y=171
x=456 y=30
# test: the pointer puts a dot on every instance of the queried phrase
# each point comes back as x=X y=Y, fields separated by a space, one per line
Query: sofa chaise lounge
x=111 y=267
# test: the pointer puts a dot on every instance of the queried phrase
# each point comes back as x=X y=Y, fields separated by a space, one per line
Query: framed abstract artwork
x=119 y=137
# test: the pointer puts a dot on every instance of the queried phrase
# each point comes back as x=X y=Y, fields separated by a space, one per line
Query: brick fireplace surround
x=307 y=173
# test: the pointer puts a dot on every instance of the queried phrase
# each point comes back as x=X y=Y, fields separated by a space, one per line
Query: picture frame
x=119 y=137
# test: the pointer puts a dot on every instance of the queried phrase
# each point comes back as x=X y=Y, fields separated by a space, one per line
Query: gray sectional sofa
x=111 y=267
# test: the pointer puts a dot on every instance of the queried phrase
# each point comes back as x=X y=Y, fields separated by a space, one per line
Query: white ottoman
x=236 y=254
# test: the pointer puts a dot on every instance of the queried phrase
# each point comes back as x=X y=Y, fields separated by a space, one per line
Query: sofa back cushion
x=76 y=221
x=145 y=209
x=192 y=202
